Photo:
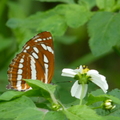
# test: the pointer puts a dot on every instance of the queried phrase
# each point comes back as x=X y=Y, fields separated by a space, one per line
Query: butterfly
x=36 y=62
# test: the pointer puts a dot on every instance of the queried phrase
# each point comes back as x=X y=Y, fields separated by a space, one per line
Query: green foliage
x=66 y=1
x=76 y=26
x=82 y=112
x=88 y=3
x=10 y=95
x=105 y=32
x=93 y=99
x=106 y=5
x=17 y=105
x=55 y=115
x=39 y=84
x=19 y=109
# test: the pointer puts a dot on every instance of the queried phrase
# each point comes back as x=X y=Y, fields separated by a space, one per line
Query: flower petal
x=79 y=70
x=98 y=79
x=90 y=72
x=85 y=90
x=76 y=90
x=68 y=72
x=71 y=72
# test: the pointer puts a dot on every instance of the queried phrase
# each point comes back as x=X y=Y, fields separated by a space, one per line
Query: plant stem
x=82 y=94
x=81 y=101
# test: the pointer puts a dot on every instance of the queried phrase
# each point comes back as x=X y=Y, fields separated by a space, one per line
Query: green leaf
x=97 y=92
x=55 y=24
x=106 y=5
x=28 y=23
x=97 y=98
x=115 y=93
x=30 y=114
x=93 y=99
x=42 y=21
x=76 y=15
x=39 y=84
x=81 y=112
x=45 y=90
x=88 y=3
x=97 y=101
x=111 y=118
x=18 y=107
x=53 y=20
x=104 y=30
x=114 y=99
x=53 y=115
x=14 y=23
x=10 y=95
x=66 y=1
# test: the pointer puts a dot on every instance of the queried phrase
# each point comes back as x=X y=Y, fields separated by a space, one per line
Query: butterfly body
x=36 y=62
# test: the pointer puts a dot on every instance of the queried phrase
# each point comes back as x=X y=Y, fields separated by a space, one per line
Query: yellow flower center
x=82 y=76
x=85 y=69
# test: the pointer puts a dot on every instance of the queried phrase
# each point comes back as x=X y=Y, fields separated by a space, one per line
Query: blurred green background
x=20 y=21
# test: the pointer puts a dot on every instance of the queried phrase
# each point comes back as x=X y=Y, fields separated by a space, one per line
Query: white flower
x=83 y=76
x=98 y=79
x=76 y=90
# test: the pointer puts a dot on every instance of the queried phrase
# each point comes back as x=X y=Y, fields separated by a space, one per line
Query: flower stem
x=82 y=93
x=52 y=95
x=81 y=101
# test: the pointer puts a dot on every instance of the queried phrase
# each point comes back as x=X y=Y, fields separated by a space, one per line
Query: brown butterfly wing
x=36 y=61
